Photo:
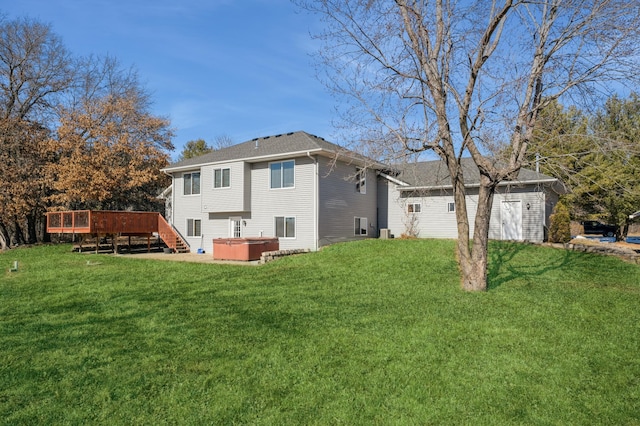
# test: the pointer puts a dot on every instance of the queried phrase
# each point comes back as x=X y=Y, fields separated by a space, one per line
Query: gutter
x=239 y=160
x=476 y=185
x=392 y=179
x=319 y=151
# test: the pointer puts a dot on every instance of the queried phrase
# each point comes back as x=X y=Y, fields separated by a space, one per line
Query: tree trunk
x=42 y=225
x=463 y=247
x=4 y=237
x=32 y=236
x=18 y=235
x=473 y=265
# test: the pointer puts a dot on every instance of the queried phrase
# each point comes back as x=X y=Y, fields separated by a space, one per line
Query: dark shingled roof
x=420 y=174
x=268 y=146
x=435 y=173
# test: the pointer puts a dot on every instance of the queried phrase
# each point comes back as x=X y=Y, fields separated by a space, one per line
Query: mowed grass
x=374 y=332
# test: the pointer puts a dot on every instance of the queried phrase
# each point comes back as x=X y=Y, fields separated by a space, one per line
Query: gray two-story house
x=309 y=193
x=300 y=188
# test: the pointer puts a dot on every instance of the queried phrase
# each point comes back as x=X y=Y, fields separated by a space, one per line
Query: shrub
x=560 y=227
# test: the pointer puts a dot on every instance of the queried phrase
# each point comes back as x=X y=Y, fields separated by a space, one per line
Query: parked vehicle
x=595 y=227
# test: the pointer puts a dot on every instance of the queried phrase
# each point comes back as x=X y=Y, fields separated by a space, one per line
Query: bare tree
x=35 y=70
x=464 y=78
x=222 y=141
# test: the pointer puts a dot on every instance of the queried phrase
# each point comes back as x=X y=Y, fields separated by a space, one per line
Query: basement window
x=360 y=226
x=194 y=227
x=285 y=227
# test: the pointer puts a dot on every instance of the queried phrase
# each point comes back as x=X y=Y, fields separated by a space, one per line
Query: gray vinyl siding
x=186 y=207
x=266 y=204
x=340 y=202
x=383 y=203
x=234 y=198
x=295 y=202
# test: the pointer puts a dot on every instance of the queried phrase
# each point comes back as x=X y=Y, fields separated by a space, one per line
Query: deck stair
x=171 y=237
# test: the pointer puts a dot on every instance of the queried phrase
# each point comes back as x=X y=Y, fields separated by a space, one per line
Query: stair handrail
x=165 y=228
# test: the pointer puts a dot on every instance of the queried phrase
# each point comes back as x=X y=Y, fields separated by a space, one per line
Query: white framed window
x=282 y=174
x=414 y=207
x=361 y=180
x=194 y=227
x=451 y=207
x=360 y=226
x=191 y=183
x=285 y=226
x=222 y=178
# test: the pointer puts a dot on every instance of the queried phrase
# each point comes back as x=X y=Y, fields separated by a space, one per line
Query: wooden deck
x=106 y=223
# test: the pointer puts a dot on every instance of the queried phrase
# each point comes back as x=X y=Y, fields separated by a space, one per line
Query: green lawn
x=375 y=332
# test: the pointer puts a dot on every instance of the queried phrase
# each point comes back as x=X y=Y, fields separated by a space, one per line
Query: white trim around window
x=191 y=183
x=194 y=227
x=221 y=178
x=451 y=207
x=360 y=226
x=282 y=174
x=414 y=207
x=361 y=180
x=284 y=227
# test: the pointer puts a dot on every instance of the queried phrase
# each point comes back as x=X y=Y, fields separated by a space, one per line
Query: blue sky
x=241 y=68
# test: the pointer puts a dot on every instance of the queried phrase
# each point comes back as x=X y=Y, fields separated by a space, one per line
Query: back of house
x=297 y=187
x=308 y=192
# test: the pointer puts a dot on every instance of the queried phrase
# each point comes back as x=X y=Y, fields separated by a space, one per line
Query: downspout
x=315 y=201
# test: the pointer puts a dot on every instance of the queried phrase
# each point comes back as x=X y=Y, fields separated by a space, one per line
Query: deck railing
x=70 y=222
x=102 y=222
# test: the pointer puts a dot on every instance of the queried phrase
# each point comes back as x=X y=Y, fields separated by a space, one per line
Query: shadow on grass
x=504 y=266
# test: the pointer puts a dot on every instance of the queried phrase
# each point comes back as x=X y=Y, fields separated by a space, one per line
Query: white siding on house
x=532 y=199
x=435 y=221
x=341 y=201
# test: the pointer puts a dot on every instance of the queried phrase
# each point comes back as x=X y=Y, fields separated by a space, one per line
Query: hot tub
x=243 y=248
